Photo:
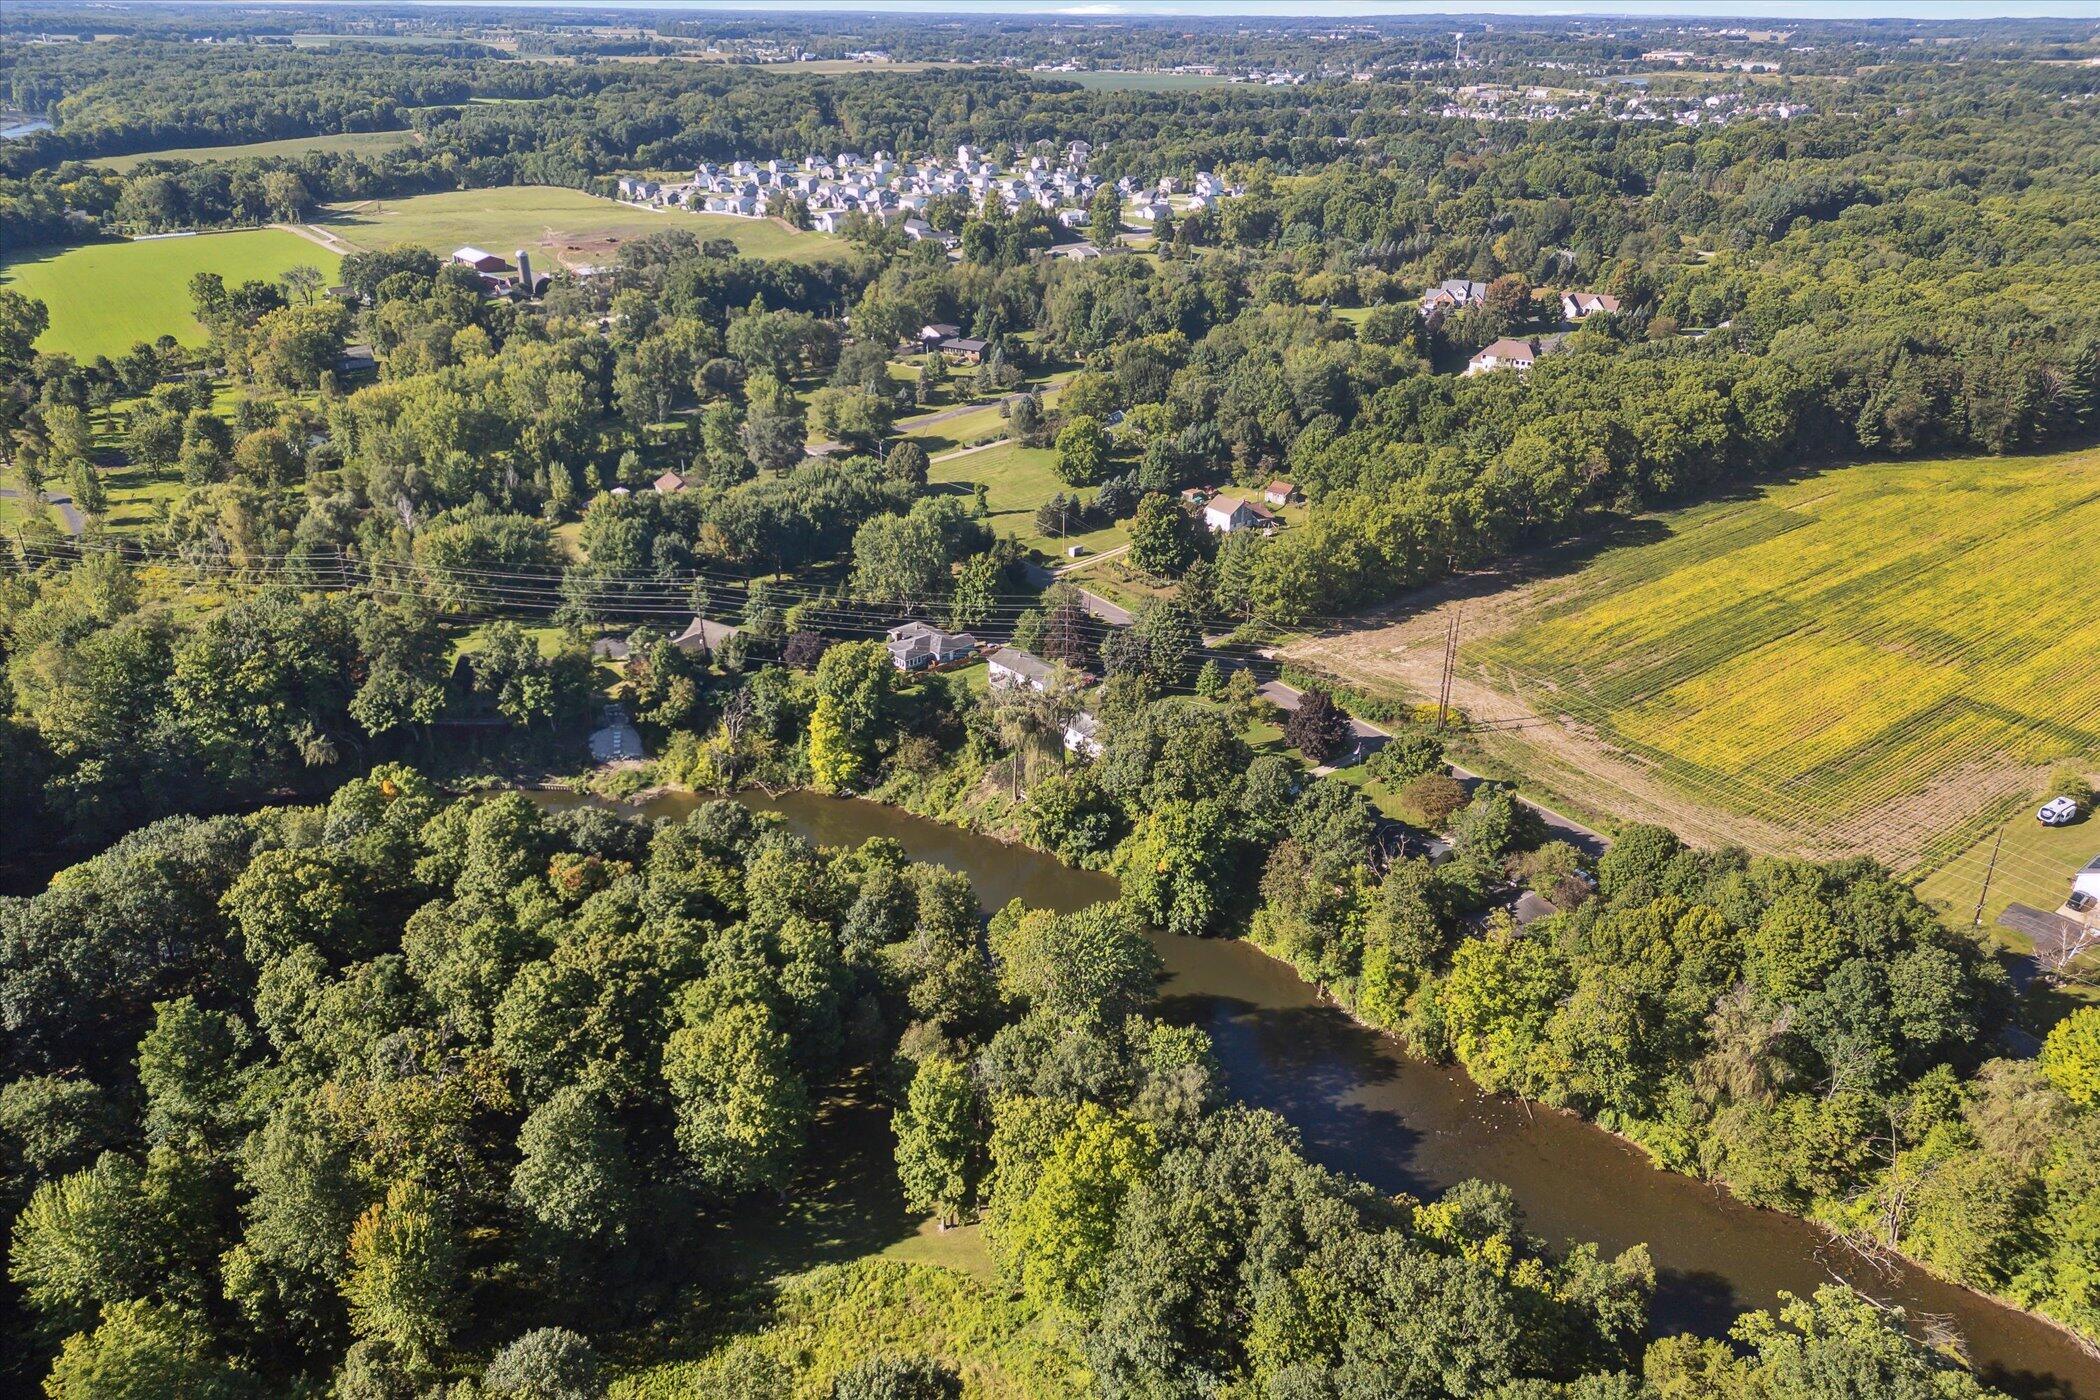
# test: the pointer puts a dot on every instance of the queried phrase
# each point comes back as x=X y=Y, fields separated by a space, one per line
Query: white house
x=2087 y=880
x=1224 y=514
x=1510 y=352
x=1082 y=736
x=1011 y=666
x=1578 y=306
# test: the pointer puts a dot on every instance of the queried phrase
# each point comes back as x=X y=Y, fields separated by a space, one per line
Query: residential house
x=933 y=333
x=1156 y=210
x=1580 y=306
x=1512 y=352
x=670 y=483
x=1011 y=666
x=2087 y=880
x=702 y=634
x=1082 y=736
x=919 y=646
x=1280 y=492
x=1224 y=514
x=963 y=350
x=1452 y=294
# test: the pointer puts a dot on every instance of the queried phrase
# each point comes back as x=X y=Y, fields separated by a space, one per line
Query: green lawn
x=565 y=225
x=106 y=297
x=2035 y=865
x=364 y=142
x=1018 y=480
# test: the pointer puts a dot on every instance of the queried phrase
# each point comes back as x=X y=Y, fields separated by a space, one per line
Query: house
x=933 y=333
x=2087 y=880
x=919 y=646
x=1076 y=252
x=479 y=260
x=1011 y=666
x=356 y=359
x=1452 y=294
x=1511 y=352
x=1280 y=492
x=1579 y=306
x=703 y=634
x=1155 y=211
x=1224 y=514
x=609 y=649
x=1082 y=736
x=963 y=350
x=669 y=484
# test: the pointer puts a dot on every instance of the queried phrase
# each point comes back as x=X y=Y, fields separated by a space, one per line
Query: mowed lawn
x=2034 y=867
x=1017 y=480
x=1883 y=655
x=364 y=142
x=106 y=297
x=568 y=225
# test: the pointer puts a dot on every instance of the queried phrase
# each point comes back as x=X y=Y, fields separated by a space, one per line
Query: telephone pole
x=1443 y=690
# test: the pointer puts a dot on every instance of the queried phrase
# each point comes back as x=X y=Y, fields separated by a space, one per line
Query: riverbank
x=1367 y=1107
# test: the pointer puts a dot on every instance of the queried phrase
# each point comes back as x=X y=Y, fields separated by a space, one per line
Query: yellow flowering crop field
x=1874 y=658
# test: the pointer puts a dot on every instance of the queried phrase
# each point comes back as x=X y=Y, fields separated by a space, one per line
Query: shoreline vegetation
x=975 y=818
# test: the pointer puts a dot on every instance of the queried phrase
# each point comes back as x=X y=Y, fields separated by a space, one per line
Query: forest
x=335 y=1066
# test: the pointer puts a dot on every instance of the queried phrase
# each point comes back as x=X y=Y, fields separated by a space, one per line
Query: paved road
x=1095 y=605
x=76 y=523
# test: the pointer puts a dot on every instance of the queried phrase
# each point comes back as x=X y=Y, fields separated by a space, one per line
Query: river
x=1366 y=1108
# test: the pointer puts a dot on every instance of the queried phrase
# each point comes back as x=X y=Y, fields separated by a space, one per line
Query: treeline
x=404 y=1091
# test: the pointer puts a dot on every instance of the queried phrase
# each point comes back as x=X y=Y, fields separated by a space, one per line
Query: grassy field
x=106 y=297
x=1017 y=480
x=2034 y=867
x=1874 y=659
x=363 y=142
x=1118 y=80
x=566 y=225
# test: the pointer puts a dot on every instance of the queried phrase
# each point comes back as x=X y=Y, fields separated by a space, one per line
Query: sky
x=1341 y=9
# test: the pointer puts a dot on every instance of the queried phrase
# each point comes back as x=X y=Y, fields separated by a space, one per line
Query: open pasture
x=567 y=225
x=106 y=297
x=1874 y=659
x=370 y=143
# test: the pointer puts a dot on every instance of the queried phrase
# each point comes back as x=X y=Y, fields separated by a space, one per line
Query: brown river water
x=1365 y=1107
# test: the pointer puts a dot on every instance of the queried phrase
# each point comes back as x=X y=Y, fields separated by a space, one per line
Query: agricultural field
x=1876 y=659
x=1118 y=80
x=106 y=297
x=566 y=225
x=369 y=143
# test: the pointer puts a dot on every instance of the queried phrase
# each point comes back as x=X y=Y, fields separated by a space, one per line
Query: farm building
x=479 y=260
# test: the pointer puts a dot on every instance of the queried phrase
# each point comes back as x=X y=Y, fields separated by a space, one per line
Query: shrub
x=1436 y=798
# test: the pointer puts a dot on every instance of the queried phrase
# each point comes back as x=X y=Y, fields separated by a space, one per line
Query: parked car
x=2057 y=811
x=2079 y=902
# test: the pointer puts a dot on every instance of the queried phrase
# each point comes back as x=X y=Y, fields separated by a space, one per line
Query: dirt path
x=321 y=236
x=1401 y=648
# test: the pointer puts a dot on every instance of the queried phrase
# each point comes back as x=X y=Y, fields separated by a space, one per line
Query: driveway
x=76 y=524
x=1095 y=605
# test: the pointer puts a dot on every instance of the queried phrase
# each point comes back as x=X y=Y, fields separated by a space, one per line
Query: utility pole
x=1443 y=690
x=1988 y=871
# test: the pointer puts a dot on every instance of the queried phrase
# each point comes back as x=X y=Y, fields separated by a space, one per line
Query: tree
x=85 y=1241
x=403 y=1279
x=906 y=463
x=1176 y=866
x=143 y=1351
x=1056 y=1241
x=1318 y=728
x=898 y=1378
x=854 y=682
x=1104 y=215
x=940 y=1142
x=2071 y=1056
x=1082 y=452
x=852 y=415
x=742 y=1110
x=572 y=1174
x=550 y=1363
x=1163 y=539
x=303 y=279
x=1095 y=963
